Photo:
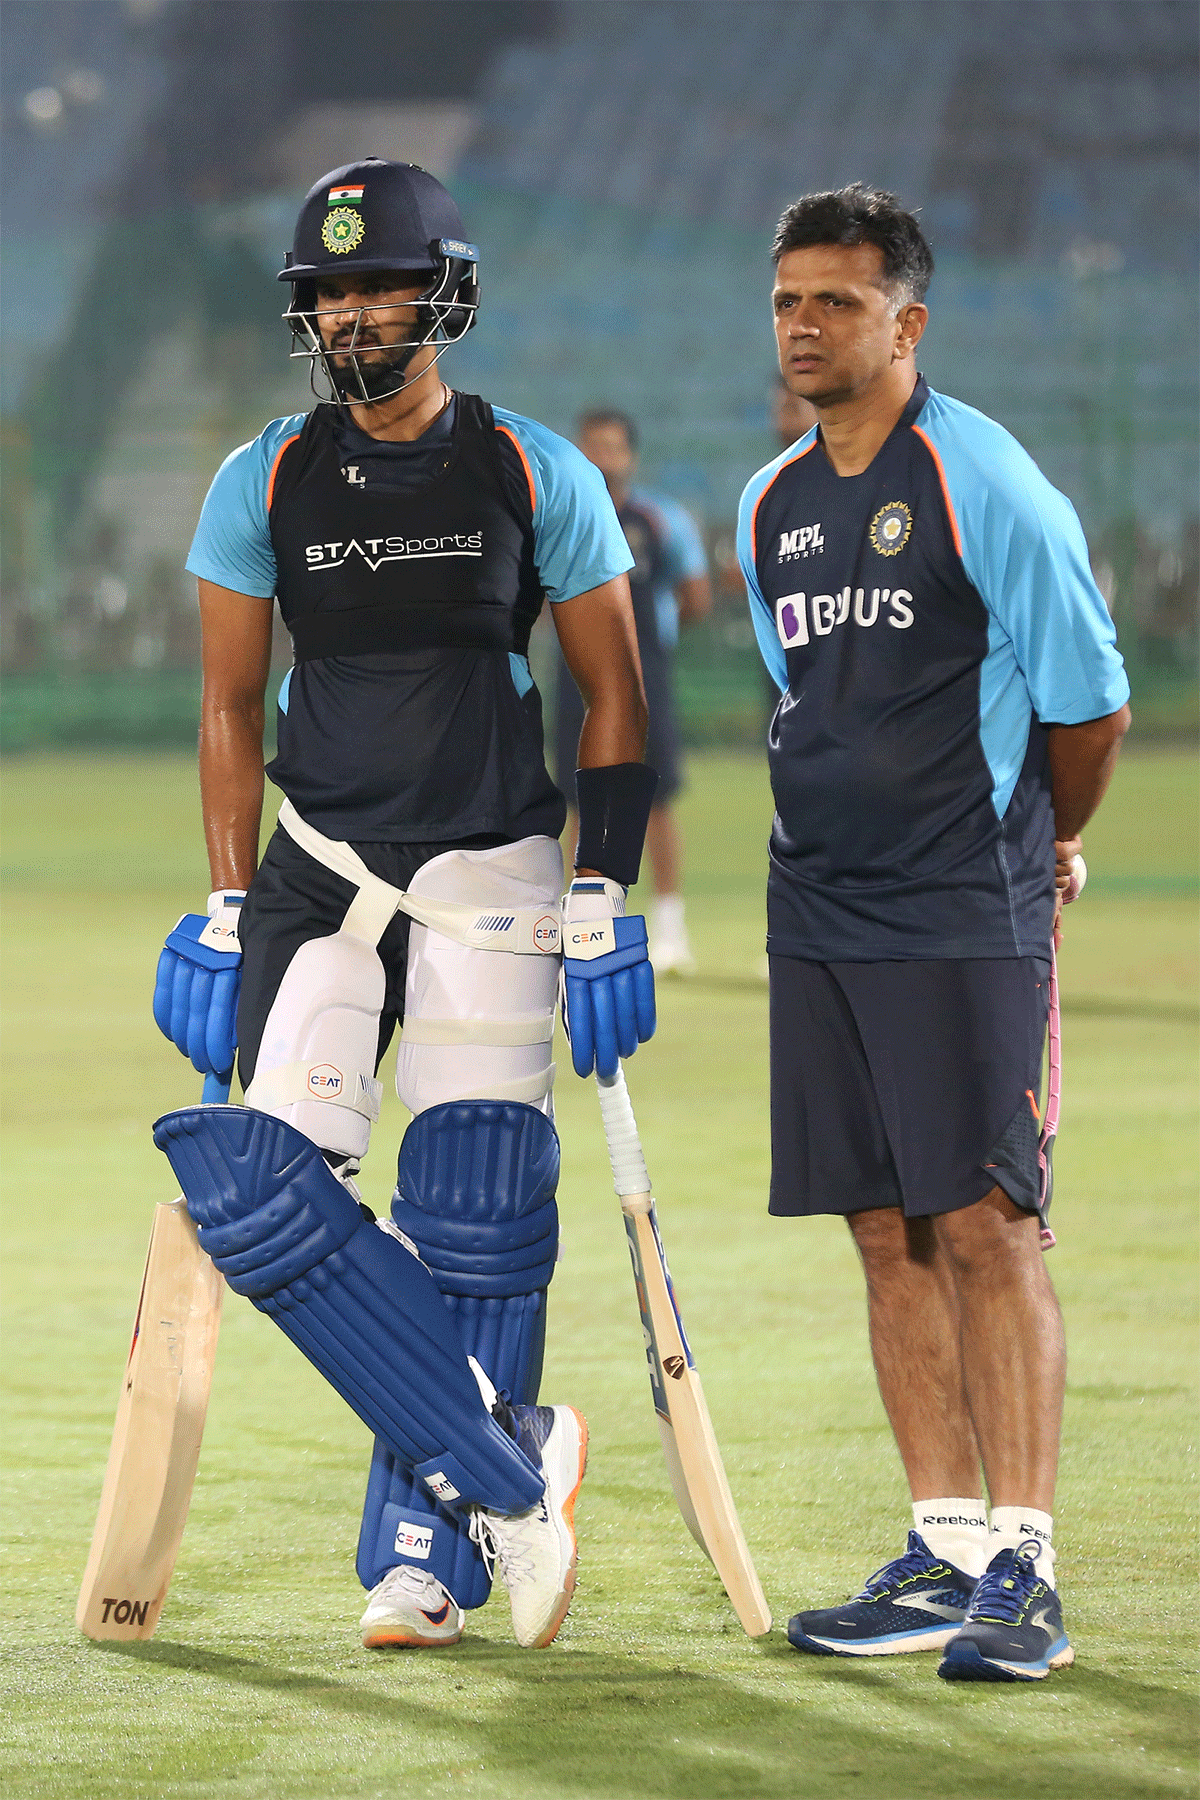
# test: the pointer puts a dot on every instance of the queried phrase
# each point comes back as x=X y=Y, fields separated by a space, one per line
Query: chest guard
x=362 y=571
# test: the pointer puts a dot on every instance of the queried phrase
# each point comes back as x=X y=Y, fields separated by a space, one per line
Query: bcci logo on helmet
x=343 y=230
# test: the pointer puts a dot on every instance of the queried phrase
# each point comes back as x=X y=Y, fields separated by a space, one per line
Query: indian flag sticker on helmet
x=345 y=196
x=343 y=230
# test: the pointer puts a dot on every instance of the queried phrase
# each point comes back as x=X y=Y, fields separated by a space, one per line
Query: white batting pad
x=479 y=1023
x=316 y=1063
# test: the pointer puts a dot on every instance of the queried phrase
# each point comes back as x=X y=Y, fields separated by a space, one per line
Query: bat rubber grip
x=621 y=1135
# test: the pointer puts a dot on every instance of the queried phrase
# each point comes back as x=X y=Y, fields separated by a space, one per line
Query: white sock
x=955 y=1530
x=1012 y=1526
x=668 y=918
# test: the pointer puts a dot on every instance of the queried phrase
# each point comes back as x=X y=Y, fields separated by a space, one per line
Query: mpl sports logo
x=805 y=541
x=375 y=551
x=799 y=617
x=324 y=1082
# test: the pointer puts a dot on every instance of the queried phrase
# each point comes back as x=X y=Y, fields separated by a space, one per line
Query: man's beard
x=381 y=368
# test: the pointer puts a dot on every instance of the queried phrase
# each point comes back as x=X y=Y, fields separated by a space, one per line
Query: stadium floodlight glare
x=43 y=106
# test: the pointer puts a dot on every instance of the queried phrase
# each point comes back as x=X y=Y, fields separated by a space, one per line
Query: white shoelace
x=424 y=1590
x=505 y=1542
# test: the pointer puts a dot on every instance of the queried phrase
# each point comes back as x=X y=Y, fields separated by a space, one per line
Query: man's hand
x=1070 y=876
x=608 y=983
x=197 y=982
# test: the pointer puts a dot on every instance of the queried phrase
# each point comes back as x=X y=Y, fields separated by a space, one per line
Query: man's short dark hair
x=861 y=215
x=608 y=415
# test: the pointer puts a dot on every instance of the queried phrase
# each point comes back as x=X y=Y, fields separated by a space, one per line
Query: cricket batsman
x=952 y=704
x=410 y=535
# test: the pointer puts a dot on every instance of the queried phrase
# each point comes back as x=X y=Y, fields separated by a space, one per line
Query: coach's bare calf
x=967 y=1341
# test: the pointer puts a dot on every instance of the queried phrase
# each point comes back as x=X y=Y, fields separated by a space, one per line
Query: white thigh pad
x=478 y=1024
x=316 y=1062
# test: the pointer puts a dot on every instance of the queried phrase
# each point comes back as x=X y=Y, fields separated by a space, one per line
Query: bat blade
x=690 y=1447
x=156 y=1438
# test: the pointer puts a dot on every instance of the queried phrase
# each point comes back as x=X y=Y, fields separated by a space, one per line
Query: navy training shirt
x=926 y=620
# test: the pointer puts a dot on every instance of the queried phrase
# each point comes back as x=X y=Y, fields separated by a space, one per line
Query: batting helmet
x=366 y=218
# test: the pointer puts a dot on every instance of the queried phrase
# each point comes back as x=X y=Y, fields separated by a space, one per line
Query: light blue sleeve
x=684 y=558
x=578 y=541
x=1024 y=550
x=683 y=546
x=761 y=615
x=232 y=546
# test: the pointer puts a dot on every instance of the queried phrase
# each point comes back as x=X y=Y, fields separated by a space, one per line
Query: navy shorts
x=662 y=735
x=910 y=1084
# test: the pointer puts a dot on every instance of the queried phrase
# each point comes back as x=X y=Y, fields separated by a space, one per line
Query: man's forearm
x=231 y=790
x=1082 y=760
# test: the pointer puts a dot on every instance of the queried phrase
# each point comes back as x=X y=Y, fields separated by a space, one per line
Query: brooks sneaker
x=535 y=1551
x=1014 y=1629
x=917 y=1602
x=409 y=1607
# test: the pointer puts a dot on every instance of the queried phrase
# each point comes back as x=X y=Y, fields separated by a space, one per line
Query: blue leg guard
x=283 y=1230
x=476 y=1195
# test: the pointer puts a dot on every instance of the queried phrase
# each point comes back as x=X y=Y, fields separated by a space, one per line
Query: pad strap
x=295 y=1081
x=538 y=1030
x=520 y=930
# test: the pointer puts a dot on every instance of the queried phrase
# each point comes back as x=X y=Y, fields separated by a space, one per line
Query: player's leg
x=972 y=1034
x=670 y=948
x=1014 y=1361
x=477 y=1175
x=831 y=1154
x=912 y=1311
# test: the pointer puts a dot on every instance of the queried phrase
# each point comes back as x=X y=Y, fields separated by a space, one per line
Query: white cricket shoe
x=409 y=1607
x=535 y=1551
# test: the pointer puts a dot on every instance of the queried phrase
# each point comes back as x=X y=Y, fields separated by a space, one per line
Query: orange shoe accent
x=555 y=1623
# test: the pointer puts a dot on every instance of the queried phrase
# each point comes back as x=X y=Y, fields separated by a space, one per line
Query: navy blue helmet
x=364 y=219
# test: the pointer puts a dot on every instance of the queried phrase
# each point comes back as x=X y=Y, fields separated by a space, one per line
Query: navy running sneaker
x=1014 y=1629
x=917 y=1602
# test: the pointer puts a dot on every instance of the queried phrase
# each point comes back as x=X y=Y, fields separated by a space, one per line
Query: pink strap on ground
x=1053 y=1099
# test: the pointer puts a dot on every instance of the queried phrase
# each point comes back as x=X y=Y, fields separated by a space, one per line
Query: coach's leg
x=1013 y=1351
x=915 y=1345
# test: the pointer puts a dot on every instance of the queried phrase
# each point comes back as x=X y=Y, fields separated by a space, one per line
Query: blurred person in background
x=791 y=414
x=670 y=587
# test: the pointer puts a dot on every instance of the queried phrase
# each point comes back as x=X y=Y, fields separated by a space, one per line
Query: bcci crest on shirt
x=891 y=528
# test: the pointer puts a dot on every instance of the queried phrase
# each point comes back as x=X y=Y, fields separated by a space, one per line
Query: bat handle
x=621 y=1135
x=216 y=1089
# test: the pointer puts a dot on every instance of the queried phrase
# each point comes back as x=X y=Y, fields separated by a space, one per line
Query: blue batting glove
x=197 y=982
x=608 y=983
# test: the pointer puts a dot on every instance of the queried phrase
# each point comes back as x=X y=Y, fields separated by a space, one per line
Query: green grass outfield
x=256 y=1687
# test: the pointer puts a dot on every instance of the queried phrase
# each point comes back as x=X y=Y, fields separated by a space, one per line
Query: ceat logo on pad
x=324 y=1081
x=441 y=1485
x=414 y=1540
x=546 y=934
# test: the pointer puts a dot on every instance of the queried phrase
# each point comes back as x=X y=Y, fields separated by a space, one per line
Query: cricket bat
x=156 y=1438
x=689 y=1443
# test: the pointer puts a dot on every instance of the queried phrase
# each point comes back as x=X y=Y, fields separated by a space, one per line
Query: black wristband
x=614 y=810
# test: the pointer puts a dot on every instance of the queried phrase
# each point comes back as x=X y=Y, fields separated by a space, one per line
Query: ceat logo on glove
x=546 y=934
x=324 y=1081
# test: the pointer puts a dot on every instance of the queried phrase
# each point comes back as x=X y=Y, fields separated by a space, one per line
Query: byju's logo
x=795 y=613
x=805 y=541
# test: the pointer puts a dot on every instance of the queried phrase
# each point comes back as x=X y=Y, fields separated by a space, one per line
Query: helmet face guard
x=445 y=312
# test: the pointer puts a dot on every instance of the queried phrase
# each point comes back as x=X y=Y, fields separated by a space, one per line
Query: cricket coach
x=952 y=707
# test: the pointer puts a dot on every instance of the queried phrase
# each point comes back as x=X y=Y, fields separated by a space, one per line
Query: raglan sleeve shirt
x=578 y=541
